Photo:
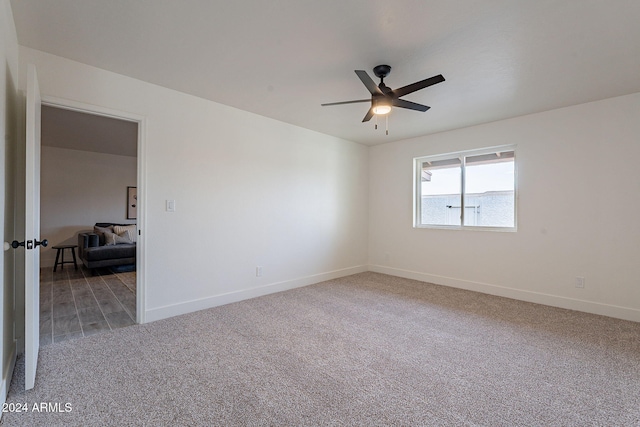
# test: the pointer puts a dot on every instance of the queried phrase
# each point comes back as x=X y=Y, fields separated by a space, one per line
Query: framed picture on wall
x=132 y=202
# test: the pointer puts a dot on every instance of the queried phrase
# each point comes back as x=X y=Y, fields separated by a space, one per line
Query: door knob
x=30 y=244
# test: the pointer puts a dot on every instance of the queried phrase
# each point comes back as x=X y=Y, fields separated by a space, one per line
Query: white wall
x=252 y=191
x=249 y=191
x=578 y=187
x=8 y=129
x=78 y=189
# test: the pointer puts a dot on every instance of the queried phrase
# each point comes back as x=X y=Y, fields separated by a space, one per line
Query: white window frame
x=461 y=155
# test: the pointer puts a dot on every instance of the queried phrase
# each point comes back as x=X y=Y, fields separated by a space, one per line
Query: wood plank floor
x=75 y=304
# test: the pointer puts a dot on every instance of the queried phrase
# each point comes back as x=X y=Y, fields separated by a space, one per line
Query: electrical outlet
x=259 y=271
x=580 y=282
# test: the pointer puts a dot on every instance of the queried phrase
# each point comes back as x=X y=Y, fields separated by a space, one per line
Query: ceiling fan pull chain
x=387 y=118
x=376 y=126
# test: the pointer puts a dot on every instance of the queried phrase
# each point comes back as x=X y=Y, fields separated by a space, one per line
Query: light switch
x=171 y=205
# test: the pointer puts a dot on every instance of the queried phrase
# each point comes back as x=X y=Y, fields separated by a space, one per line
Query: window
x=474 y=189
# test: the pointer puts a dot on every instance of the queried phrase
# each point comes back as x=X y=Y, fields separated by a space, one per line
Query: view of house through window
x=474 y=189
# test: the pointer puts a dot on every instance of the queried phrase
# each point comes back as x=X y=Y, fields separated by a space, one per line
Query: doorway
x=90 y=163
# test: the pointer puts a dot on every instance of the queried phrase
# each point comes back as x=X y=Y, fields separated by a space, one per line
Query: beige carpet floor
x=363 y=350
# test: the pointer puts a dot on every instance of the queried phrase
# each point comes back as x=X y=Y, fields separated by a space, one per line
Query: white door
x=32 y=229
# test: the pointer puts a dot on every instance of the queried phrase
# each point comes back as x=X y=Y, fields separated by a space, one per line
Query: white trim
x=217 y=300
x=7 y=375
x=141 y=260
x=609 y=310
x=141 y=257
x=96 y=110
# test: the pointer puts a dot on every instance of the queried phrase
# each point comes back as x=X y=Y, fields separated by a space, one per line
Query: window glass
x=489 y=193
x=441 y=195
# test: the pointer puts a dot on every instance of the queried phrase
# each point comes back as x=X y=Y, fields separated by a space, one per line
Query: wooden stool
x=61 y=248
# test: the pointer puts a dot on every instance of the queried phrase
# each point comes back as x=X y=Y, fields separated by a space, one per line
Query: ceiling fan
x=383 y=97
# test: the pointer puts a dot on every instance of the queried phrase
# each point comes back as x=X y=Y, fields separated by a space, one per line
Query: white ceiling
x=283 y=58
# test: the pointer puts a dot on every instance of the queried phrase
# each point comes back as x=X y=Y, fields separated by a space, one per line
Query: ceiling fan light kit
x=381 y=108
x=383 y=97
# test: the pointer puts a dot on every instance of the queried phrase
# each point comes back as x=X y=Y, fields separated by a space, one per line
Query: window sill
x=467 y=228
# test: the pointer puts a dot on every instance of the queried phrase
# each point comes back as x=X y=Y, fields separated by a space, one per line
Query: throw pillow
x=100 y=232
x=111 y=239
x=129 y=229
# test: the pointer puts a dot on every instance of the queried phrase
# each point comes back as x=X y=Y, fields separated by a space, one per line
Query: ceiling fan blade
x=370 y=84
x=405 y=90
x=410 y=105
x=346 y=102
x=368 y=116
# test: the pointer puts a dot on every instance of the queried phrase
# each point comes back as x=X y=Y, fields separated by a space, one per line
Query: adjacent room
x=360 y=213
x=89 y=175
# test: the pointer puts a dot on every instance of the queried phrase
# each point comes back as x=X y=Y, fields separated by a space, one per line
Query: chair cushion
x=116 y=239
x=110 y=252
x=129 y=229
x=100 y=232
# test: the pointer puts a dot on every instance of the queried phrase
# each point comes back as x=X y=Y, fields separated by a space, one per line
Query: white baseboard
x=618 y=312
x=7 y=375
x=217 y=300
